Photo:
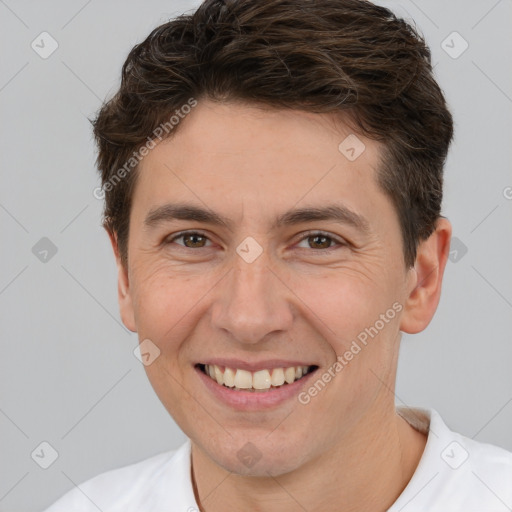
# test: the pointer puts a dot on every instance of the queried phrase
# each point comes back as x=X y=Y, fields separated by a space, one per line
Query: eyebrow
x=331 y=212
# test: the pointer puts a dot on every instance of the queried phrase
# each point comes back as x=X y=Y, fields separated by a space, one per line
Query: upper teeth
x=262 y=379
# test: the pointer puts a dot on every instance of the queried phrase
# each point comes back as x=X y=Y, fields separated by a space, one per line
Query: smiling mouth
x=259 y=381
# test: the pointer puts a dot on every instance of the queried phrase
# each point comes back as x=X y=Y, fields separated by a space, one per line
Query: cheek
x=169 y=305
x=357 y=319
x=162 y=300
x=343 y=300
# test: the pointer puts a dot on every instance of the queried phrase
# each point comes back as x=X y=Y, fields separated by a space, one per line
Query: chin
x=259 y=459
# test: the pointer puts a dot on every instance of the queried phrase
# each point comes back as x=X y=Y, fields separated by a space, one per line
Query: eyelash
x=307 y=235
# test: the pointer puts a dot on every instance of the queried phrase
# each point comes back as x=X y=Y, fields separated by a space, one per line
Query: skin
x=347 y=449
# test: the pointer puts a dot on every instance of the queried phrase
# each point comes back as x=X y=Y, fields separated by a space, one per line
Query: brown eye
x=194 y=239
x=191 y=240
x=320 y=241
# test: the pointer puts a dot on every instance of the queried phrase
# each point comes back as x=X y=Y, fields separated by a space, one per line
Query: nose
x=252 y=302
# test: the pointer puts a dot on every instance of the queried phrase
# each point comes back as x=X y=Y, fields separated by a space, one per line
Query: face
x=296 y=255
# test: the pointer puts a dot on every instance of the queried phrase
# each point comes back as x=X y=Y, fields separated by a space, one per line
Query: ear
x=426 y=278
x=123 y=287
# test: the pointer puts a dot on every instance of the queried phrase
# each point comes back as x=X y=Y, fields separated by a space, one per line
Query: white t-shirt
x=455 y=474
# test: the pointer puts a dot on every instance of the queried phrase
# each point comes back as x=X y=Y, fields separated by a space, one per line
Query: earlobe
x=123 y=288
x=426 y=278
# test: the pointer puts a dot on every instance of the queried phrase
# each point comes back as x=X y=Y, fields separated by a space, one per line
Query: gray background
x=68 y=375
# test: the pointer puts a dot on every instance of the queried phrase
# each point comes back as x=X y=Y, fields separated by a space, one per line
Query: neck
x=367 y=470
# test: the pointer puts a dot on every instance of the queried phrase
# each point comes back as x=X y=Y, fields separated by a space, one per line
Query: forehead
x=241 y=157
x=232 y=127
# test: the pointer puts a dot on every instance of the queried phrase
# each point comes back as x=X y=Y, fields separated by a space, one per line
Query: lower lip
x=254 y=400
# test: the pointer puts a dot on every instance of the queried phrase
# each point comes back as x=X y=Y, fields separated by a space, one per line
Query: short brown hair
x=314 y=55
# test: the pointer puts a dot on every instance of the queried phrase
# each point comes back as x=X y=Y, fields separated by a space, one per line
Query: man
x=272 y=173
